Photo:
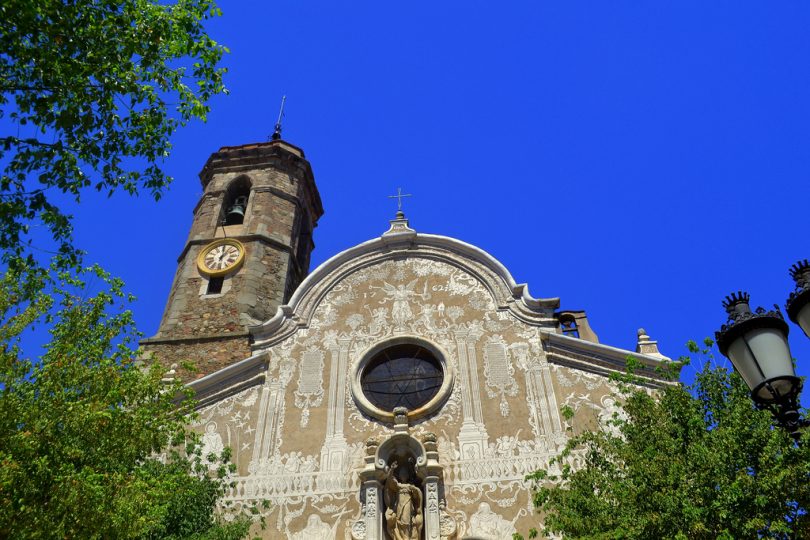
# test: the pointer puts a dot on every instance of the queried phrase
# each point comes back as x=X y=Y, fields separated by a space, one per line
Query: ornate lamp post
x=798 y=303
x=756 y=343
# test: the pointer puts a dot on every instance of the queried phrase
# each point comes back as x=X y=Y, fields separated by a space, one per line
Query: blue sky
x=640 y=160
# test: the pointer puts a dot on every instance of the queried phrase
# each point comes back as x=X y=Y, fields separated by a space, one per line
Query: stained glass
x=405 y=375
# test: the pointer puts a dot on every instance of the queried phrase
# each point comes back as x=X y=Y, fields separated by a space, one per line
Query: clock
x=221 y=257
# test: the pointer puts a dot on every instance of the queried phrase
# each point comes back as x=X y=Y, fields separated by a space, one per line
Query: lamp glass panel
x=803 y=318
x=770 y=348
x=745 y=363
x=776 y=389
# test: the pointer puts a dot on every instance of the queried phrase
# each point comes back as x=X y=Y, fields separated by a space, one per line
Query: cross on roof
x=398 y=197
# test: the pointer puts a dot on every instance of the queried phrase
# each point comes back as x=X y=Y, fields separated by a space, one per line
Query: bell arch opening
x=235 y=202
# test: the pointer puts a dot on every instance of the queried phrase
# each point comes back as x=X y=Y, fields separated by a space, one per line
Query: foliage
x=689 y=462
x=86 y=434
x=90 y=93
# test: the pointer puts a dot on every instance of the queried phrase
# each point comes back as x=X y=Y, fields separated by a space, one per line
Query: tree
x=689 y=462
x=91 y=92
x=92 y=445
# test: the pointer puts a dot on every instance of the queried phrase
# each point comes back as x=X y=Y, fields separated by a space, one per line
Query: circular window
x=407 y=373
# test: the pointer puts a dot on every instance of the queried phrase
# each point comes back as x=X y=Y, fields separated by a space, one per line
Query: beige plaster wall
x=298 y=439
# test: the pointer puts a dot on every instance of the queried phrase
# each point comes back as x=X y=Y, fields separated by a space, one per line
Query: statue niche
x=403 y=501
x=400 y=483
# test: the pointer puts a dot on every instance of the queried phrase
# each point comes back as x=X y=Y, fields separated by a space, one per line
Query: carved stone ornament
x=448 y=528
x=358 y=530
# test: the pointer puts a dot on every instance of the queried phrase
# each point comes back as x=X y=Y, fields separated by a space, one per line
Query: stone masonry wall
x=249 y=297
x=280 y=192
x=207 y=355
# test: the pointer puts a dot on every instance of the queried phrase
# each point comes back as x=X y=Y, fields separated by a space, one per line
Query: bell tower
x=248 y=249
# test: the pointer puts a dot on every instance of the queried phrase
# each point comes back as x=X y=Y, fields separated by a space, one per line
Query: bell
x=236 y=213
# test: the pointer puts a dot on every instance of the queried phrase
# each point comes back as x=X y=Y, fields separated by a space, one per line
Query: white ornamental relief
x=280 y=477
x=228 y=423
x=379 y=321
x=499 y=372
x=487 y=524
x=310 y=383
x=426 y=267
x=612 y=416
x=342 y=294
x=394 y=297
x=432 y=498
x=358 y=530
x=212 y=445
x=500 y=323
x=325 y=317
x=607 y=409
x=458 y=284
x=446 y=305
x=315 y=529
x=244 y=399
x=401 y=296
x=450 y=527
x=371 y=503
x=569 y=377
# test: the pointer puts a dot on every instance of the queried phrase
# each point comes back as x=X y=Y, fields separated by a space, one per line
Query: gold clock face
x=221 y=257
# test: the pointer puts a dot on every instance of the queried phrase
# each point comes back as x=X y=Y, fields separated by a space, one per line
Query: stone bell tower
x=248 y=249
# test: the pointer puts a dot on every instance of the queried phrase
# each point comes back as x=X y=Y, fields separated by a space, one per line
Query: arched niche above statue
x=403 y=448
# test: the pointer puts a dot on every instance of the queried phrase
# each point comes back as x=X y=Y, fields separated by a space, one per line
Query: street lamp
x=798 y=303
x=756 y=343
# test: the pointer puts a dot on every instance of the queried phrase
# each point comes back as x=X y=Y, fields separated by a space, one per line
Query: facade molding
x=507 y=293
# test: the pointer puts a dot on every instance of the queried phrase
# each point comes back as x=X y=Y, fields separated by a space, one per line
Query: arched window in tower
x=235 y=203
x=569 y=326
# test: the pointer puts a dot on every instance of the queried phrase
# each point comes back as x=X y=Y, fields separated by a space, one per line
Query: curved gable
x=412 y=267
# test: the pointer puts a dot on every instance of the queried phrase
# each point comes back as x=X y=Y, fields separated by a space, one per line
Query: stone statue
x=403 y=502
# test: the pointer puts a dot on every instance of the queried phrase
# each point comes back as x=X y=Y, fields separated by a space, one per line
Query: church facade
x=401 y=390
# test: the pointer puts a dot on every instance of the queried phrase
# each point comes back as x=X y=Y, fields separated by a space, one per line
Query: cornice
x=155 y=340
x=242 y=238
x=599 y=358
x=230 y=380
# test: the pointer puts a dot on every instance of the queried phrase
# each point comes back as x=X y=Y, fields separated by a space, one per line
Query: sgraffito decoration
x=310 y=383
x=499 y=372
x=500 y=421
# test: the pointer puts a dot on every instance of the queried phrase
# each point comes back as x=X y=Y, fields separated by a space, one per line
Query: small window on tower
x=215 y=285
x=569 y=327
x=304 y=240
